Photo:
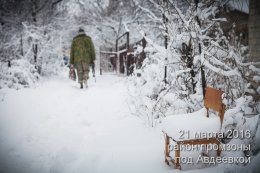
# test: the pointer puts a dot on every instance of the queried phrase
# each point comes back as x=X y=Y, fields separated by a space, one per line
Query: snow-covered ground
x=58 y=128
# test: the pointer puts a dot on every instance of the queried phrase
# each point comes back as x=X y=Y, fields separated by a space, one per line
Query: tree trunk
x=35 y=45
x=21 y=44
x=165 y=21
x=203 y=78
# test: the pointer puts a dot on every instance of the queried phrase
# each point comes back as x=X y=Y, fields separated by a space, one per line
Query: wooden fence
x=124 y=58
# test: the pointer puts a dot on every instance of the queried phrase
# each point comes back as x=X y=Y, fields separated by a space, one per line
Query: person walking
x=82 y=55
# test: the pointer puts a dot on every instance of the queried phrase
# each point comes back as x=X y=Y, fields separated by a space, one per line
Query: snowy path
x=58 y=128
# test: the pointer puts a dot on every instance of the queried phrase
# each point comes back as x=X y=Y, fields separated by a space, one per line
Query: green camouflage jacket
x=82 y=50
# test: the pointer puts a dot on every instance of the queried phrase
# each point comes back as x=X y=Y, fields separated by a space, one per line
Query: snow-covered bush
x=152 y=99
x=243 y=118
x=144 y=90
x=241 y=128
x=20 y=74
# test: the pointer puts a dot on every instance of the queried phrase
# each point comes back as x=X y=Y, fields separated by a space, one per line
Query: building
x=254 y=31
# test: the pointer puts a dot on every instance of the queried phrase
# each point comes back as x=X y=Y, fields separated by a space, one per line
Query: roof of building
x=240 y=5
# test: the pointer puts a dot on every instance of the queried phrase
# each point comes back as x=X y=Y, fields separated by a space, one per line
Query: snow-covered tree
x=198 y=54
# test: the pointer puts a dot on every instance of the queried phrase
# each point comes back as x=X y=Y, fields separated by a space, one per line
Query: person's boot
x=86 y=84
x=81 y=85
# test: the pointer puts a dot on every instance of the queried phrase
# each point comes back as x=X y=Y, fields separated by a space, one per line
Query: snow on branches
x=196 y=44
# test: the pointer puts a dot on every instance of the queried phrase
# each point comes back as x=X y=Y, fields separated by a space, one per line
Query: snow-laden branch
x=150 y=13
x=208 y=27
x=216 y=61
x=44 y=47
x=253 y=68
x=236 y=57
x=157 y=6
x=158 y=48
x=219 y=70
x=28 y=52
x=179 y=72
x=186 y=24
x=126 y=28
x=232 y=54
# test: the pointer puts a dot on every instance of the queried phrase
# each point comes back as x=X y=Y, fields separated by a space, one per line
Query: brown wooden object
x=212 y=100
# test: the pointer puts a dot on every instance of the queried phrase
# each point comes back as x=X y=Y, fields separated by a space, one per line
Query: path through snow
x=58 y=128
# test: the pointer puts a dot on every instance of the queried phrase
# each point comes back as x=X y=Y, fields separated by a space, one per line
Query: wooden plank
x=172 y=161
x=166 y=151
x=199 y=141
x=221 y=113
x=213 y=99
x=177 y=155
